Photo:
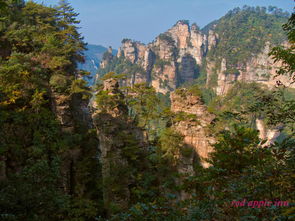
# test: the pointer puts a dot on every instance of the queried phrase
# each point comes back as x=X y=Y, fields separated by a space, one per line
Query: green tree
x=39 y=50
x=286 y=55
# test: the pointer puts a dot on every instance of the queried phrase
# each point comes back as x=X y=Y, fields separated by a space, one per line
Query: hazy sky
x=107 y=22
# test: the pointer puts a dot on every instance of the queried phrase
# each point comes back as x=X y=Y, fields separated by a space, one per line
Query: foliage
x=246 y=102
x=80 y=86
x=186 y=22
x=171 y=143
x=286 y=55
x=145 y=107
x=161 y=63
x=39 y=50
x=241 y=167
x=121 y=66
x=125 y=40
x=240 y=28
x=113 y=75
x=167 y=38
x=239 y=98
x=240 y=170
x=59 y=82
x=106 y=101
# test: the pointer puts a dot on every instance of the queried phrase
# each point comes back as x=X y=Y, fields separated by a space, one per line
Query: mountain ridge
x=183 y=52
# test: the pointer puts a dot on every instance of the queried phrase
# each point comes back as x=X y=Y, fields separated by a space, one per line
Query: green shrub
x=166 y=37
x=59 y=82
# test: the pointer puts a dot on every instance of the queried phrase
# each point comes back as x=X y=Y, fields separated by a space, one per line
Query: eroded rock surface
x=194 y=128
x=116 y=133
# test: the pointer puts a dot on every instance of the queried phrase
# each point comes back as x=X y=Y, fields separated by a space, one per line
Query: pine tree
x=67 y=20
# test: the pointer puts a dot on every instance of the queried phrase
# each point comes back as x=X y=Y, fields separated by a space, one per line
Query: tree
x=39 y=49
x=286 y=55
x=67 y=20
x=145 y=107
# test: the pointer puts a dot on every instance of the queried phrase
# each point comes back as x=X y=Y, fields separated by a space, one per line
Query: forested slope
x=135 y=154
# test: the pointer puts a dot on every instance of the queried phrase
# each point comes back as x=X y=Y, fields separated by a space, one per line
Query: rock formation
x=176 y=56
x=170 y=60
x=269 y=135
x=119 y=140
x=259 y=68
x=194 y=128
x=107 y=57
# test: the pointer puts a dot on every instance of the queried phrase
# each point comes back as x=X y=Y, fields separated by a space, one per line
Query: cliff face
x=259 y=68
x=195 y=127
x=74 y=116
x=188 y=40
x=170 y=60
x=119 y=140
x=176 y=57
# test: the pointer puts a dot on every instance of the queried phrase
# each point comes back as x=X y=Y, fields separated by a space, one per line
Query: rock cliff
x=194 y=127
x=172 y=59
x=73 y=113
x=177 y=56
x=258 y=68
x=120 y=141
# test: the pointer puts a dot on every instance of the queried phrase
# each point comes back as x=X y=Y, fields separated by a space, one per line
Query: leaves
x=286 y=55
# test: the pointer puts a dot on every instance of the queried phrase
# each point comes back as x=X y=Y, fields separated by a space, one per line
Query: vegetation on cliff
x=122 y=66
x=50 y=166
x=242 y=168
x=243 y=33
x=44 y=171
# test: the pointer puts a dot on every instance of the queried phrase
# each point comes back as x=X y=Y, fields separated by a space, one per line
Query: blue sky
x=107 y=22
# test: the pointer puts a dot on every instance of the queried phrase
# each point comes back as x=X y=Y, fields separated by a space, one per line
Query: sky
x=107 y=22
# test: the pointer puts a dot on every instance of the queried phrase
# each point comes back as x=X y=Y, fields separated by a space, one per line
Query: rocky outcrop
x=269 y=135
x=212 y=39
x=61 y=107
x=120 y=141
x=107 y=57
x=259 y=68
x=194 y=127
x=189 y=41
x=128 y=50
x=172 y=59
x=176 y=57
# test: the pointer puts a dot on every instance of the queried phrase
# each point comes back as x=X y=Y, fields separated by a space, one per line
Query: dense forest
x=115 y=152
x=45 y=163
x=262 y=25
